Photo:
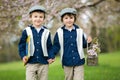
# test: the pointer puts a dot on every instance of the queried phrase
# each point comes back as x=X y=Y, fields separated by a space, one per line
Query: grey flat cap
x=68 y=10
x=36 y=7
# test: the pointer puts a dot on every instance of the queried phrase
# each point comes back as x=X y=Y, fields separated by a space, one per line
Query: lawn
x=108 y=69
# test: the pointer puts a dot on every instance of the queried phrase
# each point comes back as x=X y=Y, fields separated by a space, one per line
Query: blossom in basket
x=92 y=52
x=94 y=47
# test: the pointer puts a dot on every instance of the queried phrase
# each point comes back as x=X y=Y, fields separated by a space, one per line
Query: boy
x=34 y=45
x=70 y=41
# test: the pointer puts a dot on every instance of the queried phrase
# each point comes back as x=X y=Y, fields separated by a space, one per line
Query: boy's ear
x=30 y=19
x=44 y=20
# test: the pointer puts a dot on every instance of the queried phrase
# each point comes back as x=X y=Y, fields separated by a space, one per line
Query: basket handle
x=87 y=47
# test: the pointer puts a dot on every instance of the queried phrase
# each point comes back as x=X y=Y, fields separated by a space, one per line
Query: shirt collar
x=73 y=28
x=42 y=27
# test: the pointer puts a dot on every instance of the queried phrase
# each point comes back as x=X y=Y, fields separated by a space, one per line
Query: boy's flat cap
x=36 y=7
x=68 y=10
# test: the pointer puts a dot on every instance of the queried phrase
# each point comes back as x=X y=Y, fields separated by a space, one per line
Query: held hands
x=25 y=59
x=50 y=61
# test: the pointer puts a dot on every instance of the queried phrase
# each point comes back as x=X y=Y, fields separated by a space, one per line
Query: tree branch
x=89 y=4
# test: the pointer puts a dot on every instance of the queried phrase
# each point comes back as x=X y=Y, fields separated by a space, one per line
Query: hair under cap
x=36 y=7
x=68 y=10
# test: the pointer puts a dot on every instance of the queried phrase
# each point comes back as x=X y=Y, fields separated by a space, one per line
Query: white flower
x=94 y=48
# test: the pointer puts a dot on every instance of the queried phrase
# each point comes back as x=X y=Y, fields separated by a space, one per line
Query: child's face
x=68 y=20
x=37 y=19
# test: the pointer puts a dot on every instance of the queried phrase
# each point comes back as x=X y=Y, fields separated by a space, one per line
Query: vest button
x=71 y=44
x=37 y=42
x=72 y=51
x=37 y=57
x=37 y=49
x=73 y=57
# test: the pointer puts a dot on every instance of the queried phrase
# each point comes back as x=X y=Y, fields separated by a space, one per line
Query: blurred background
x=98 y=18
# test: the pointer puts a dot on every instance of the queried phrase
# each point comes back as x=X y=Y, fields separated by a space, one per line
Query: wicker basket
x=92 y=52
x=92 y=60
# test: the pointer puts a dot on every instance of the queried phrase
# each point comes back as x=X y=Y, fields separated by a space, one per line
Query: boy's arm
x=86 y=40
x=54 y=49
x=22 y=44
x=56 y=46
x=49 y=46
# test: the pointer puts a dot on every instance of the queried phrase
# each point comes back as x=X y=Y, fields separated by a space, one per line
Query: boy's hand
x=50 y=61
x=89 y=39
x=25 y=59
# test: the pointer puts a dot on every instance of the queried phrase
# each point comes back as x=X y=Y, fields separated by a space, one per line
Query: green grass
x=108 y=69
